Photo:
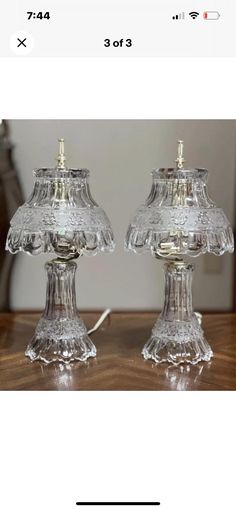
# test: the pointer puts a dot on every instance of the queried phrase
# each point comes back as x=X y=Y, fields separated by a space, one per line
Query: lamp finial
x=180 y=159
x=61 y=155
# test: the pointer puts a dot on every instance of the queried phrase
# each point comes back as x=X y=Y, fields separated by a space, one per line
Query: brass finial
x=180 y=159
x=61 y=156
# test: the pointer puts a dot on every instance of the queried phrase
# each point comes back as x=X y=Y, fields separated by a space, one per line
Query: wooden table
x=119 y=364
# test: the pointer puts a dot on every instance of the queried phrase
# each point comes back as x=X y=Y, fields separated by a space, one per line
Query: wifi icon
x=194 y=14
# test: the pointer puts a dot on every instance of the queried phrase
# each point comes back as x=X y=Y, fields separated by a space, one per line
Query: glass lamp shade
x=60 y=217
x=179 y=218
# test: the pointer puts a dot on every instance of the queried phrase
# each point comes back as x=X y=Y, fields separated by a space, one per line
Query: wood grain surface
x=119 y=364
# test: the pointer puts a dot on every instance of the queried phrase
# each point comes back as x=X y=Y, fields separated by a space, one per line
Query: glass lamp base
x=60 y=340
x=177 y=336
x=60 y=335
x=177 y=342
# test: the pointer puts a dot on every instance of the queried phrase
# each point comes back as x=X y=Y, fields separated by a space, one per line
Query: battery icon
x=211 y=15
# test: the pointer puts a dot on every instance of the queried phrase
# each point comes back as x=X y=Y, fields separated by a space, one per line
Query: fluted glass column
x=60 y=334
x=177 y=336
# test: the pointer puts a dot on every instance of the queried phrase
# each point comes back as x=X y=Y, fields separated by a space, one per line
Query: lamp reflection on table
x=64 y=374
x=182 y=377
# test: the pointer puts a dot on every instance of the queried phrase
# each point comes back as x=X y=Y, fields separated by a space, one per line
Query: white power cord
x=101 y=319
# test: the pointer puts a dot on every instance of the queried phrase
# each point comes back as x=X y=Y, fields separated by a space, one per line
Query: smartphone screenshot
x=117 y=262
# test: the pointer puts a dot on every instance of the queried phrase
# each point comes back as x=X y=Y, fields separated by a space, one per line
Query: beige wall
x=120 y=156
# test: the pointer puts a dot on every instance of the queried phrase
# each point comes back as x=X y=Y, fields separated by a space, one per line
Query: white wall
x=120 y=156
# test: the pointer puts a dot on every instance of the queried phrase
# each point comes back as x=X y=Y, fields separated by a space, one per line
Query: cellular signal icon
x=179 y=16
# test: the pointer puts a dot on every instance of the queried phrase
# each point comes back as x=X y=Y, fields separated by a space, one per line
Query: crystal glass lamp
x=62 y=218
x=177 y=221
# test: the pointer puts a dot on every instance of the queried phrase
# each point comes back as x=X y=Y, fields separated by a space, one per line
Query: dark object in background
x=10 y=198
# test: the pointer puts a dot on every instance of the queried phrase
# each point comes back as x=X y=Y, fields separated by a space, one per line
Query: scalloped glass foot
x=177 y=342
x=60 y=340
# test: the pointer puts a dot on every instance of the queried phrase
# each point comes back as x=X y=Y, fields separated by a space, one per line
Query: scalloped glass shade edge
x=193 y=243
x=88 y=243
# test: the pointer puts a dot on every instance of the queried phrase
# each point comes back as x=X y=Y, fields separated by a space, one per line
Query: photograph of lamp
x=178 y=221
x=60 y=217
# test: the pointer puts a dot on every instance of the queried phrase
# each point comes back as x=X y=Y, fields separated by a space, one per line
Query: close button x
x=21 y=42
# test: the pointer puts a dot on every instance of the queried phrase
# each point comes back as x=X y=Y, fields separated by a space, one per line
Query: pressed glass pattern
x=60 y=334
x=62 y=218
x=177 y=336
x=178 y=220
